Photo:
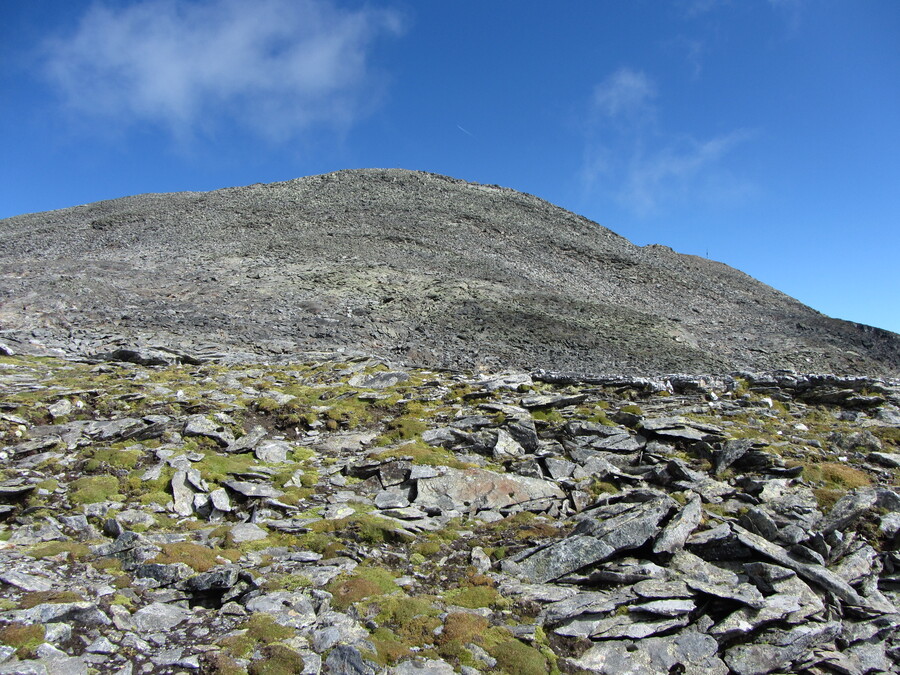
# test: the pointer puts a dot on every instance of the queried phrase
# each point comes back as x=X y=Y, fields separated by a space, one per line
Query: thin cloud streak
x=274 y=66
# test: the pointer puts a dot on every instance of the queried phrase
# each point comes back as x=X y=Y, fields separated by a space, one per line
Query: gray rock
x=679 y=528
x=219 y=500
x=243 y=532
x=273 y=452
x=164 y=574
x=287 y=608
x=346 y=660
x=390 y=499
x=552 y=400
x=383 y=380
x=477 y=489
x=849 y=509
x=200 y=425
x=182 y=494
x=596 y=539
x=775 y=649
x=81 y=613
x=730 y=452
x=506 y=447
x=219 y=578
x=159 y=617
x=249 y=440
x=675 y=607
x=689 y=653
x=422 y=667
x=27 y=582
x=254 y=490
x=888 y=459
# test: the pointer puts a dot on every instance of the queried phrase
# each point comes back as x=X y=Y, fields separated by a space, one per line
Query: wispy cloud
x=630 y=158
x=624 y=92
x=274 y=66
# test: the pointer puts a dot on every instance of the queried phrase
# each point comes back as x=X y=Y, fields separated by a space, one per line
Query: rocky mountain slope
x=425 y=269
x=347 y=516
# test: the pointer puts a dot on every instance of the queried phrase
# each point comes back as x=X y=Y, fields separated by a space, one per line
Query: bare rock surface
x=421 y=268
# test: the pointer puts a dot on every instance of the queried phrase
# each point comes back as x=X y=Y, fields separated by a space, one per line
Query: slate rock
x=689 y=653
x=679 y=528
x=243 y=532
x=346 y=660
x=478 y=489
x=596 y=539
x=201 y=425
x=159 y=617
x=775 y=649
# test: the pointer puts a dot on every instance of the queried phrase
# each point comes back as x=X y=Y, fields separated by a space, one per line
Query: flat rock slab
x=482 y=490
x=249 y=489
x=595 y=540
x=159 y=617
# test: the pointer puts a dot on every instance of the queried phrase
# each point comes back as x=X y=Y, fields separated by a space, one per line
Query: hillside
x=428 y=270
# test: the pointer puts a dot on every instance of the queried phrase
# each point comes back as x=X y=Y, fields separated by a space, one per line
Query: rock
x=383 y=380
x=888 y=459
x=273 y=452
x=248 y=441
x=774 y=649
x=346 y=660
x=689 y=653
x=253 y=490
x=730 y=452
x=27 y=582
x=849 y=509
x=506 y=448
x=422 y=667
x=552 y=400
x=287 y=608
x=200 y=425
x=677 y=531
x=596 y=538
x=243 y=532
x=477 y=489
x=159 y=617
x=81 y=613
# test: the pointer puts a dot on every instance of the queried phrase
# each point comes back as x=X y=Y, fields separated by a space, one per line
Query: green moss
x=220 y=663
x=463 y=627
x=217 y=467
x=196 y=556
x=517 y=658
x=277 y=660
x=36 y=598
x=26 y=639
x=51 y=549
x=115 y=456
x=420 y=453
x=836 y=476
x=263 y=628
x=474 y=597
x=632 y=409
x=366 y=581
x=287 y=582
x=93 y=489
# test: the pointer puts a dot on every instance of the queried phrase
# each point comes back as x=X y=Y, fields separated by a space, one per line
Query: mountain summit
x=423 y=268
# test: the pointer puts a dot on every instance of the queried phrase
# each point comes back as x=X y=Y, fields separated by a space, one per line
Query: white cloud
x=629 y=159
x=276 y=66
x=624 y=92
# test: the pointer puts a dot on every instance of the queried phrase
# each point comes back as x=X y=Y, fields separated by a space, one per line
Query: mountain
x=422 y=268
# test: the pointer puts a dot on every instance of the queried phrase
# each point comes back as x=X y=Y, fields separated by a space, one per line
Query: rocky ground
x=162 y=512
x=418 y=268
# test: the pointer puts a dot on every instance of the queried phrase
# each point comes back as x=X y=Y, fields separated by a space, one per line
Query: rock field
x=417 y=268
x=162 y=512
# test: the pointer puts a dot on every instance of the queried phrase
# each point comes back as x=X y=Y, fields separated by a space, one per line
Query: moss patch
x=26 y=639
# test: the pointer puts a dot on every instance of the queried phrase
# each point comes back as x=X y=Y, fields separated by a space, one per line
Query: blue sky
x=761 y=133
